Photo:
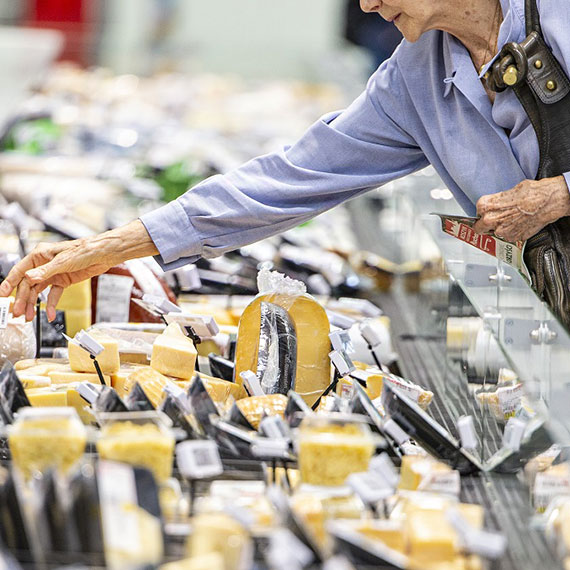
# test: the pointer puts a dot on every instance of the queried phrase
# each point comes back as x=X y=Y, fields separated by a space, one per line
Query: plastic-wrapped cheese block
x=313 y=345
x=330 y=450
x=80 y=360
x=140 y=444
x=173 y=353
x=219 y=533
x=17 y=341
x=114 y=292
x=254 y=408
x=46 y=438
x=69 y=376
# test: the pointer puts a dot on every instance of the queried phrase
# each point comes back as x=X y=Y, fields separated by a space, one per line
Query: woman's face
x=411 y=17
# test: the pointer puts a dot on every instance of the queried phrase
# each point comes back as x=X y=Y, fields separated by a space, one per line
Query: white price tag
x=342 y=362
x=510 y=399
x=161 y=304
x=113 y=298
x=369 y=333
x=467 y=432
x=340 y=340
x=274 y=427
x=118 y=496
x=271 y=448
x=251 y=383
x=514 y=433
x=199 y=459
x=203 y=326
x=339 y=320
x=383 y=466
x=395 y=431
x=447 y=482
x=370 y=487
x=4 y=311
x=86 y=342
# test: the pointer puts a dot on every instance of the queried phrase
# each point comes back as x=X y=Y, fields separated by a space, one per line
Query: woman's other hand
x=58 y=265
x=522 y=212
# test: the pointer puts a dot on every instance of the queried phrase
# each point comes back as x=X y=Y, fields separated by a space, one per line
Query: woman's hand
x=520 y=213
x=61 y=264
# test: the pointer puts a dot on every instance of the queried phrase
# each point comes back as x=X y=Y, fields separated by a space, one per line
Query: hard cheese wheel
x=313 y=345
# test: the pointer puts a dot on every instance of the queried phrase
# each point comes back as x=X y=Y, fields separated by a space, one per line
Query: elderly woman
x=429 y=103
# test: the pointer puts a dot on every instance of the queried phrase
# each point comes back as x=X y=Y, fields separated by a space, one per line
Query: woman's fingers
x=53 y=299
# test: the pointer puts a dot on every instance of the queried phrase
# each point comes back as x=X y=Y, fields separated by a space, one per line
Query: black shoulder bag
x=542 y=87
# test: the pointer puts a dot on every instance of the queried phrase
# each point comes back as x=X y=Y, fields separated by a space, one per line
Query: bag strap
x=532 y=18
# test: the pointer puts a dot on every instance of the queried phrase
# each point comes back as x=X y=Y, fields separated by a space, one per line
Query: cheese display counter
x=363 y=391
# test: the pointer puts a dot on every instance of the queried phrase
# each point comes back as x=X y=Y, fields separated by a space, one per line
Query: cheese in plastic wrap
x=139 y=439
x=254 y=408
x=45 y=438
x=17 y=341
x=331 y=449
x=311 y=328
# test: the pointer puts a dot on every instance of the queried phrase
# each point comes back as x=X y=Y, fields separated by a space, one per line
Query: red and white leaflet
x=461 y=227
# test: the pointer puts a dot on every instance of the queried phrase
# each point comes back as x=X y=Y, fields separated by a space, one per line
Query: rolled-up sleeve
x=339 y=157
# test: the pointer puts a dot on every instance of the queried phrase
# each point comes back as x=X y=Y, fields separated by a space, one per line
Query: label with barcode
x=510 y=400
x=199 y=459
x=4 y=311
x=113 y=298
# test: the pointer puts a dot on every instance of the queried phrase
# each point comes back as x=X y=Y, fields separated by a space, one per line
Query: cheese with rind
x=69 y=376
x=313 y=344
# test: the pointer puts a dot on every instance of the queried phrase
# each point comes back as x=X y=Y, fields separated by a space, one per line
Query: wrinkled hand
x=61 y=264
x=51 y=264
x=520 y=213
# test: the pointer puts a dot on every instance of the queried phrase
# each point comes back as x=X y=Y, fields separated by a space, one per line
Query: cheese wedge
x=30 y=381
x=391 y=533
x=80 y=360
x=415 y=469
x=76 y=297
x=173 y=353
x=46 y=397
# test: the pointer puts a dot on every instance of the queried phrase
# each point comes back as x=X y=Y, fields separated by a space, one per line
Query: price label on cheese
x=549 y=485
x=447 y=482
x=4 y=311
x=199 y=459
x=510 y=399
x=412 y=392
x=113 y=298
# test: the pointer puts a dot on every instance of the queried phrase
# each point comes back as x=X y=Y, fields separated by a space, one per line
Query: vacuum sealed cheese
x=139 y=439
x=283 y=339
x=44 y=438
x=330 y=449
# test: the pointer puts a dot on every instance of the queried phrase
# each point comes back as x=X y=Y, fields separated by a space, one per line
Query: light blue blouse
x=424 y=105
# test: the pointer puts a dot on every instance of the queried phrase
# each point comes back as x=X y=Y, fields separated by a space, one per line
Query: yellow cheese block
x=76 y=297
x=31 y=381
x=151 y=381
x=119 y=380
x=220 y=390
x=75 y=320
x=40 y=366
x=80 y=360
x=415 y=468
x=220 y=533
x=42 y=397
x=256 y=407
x=310 y=510
x=74 y=400
x=328 y=454
x=145 y=445
x=173 y=353
x=391 y=533
x=313 y=344
x=430 y=537
x=69 y=376
x=39 y=443
x=133 y=358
